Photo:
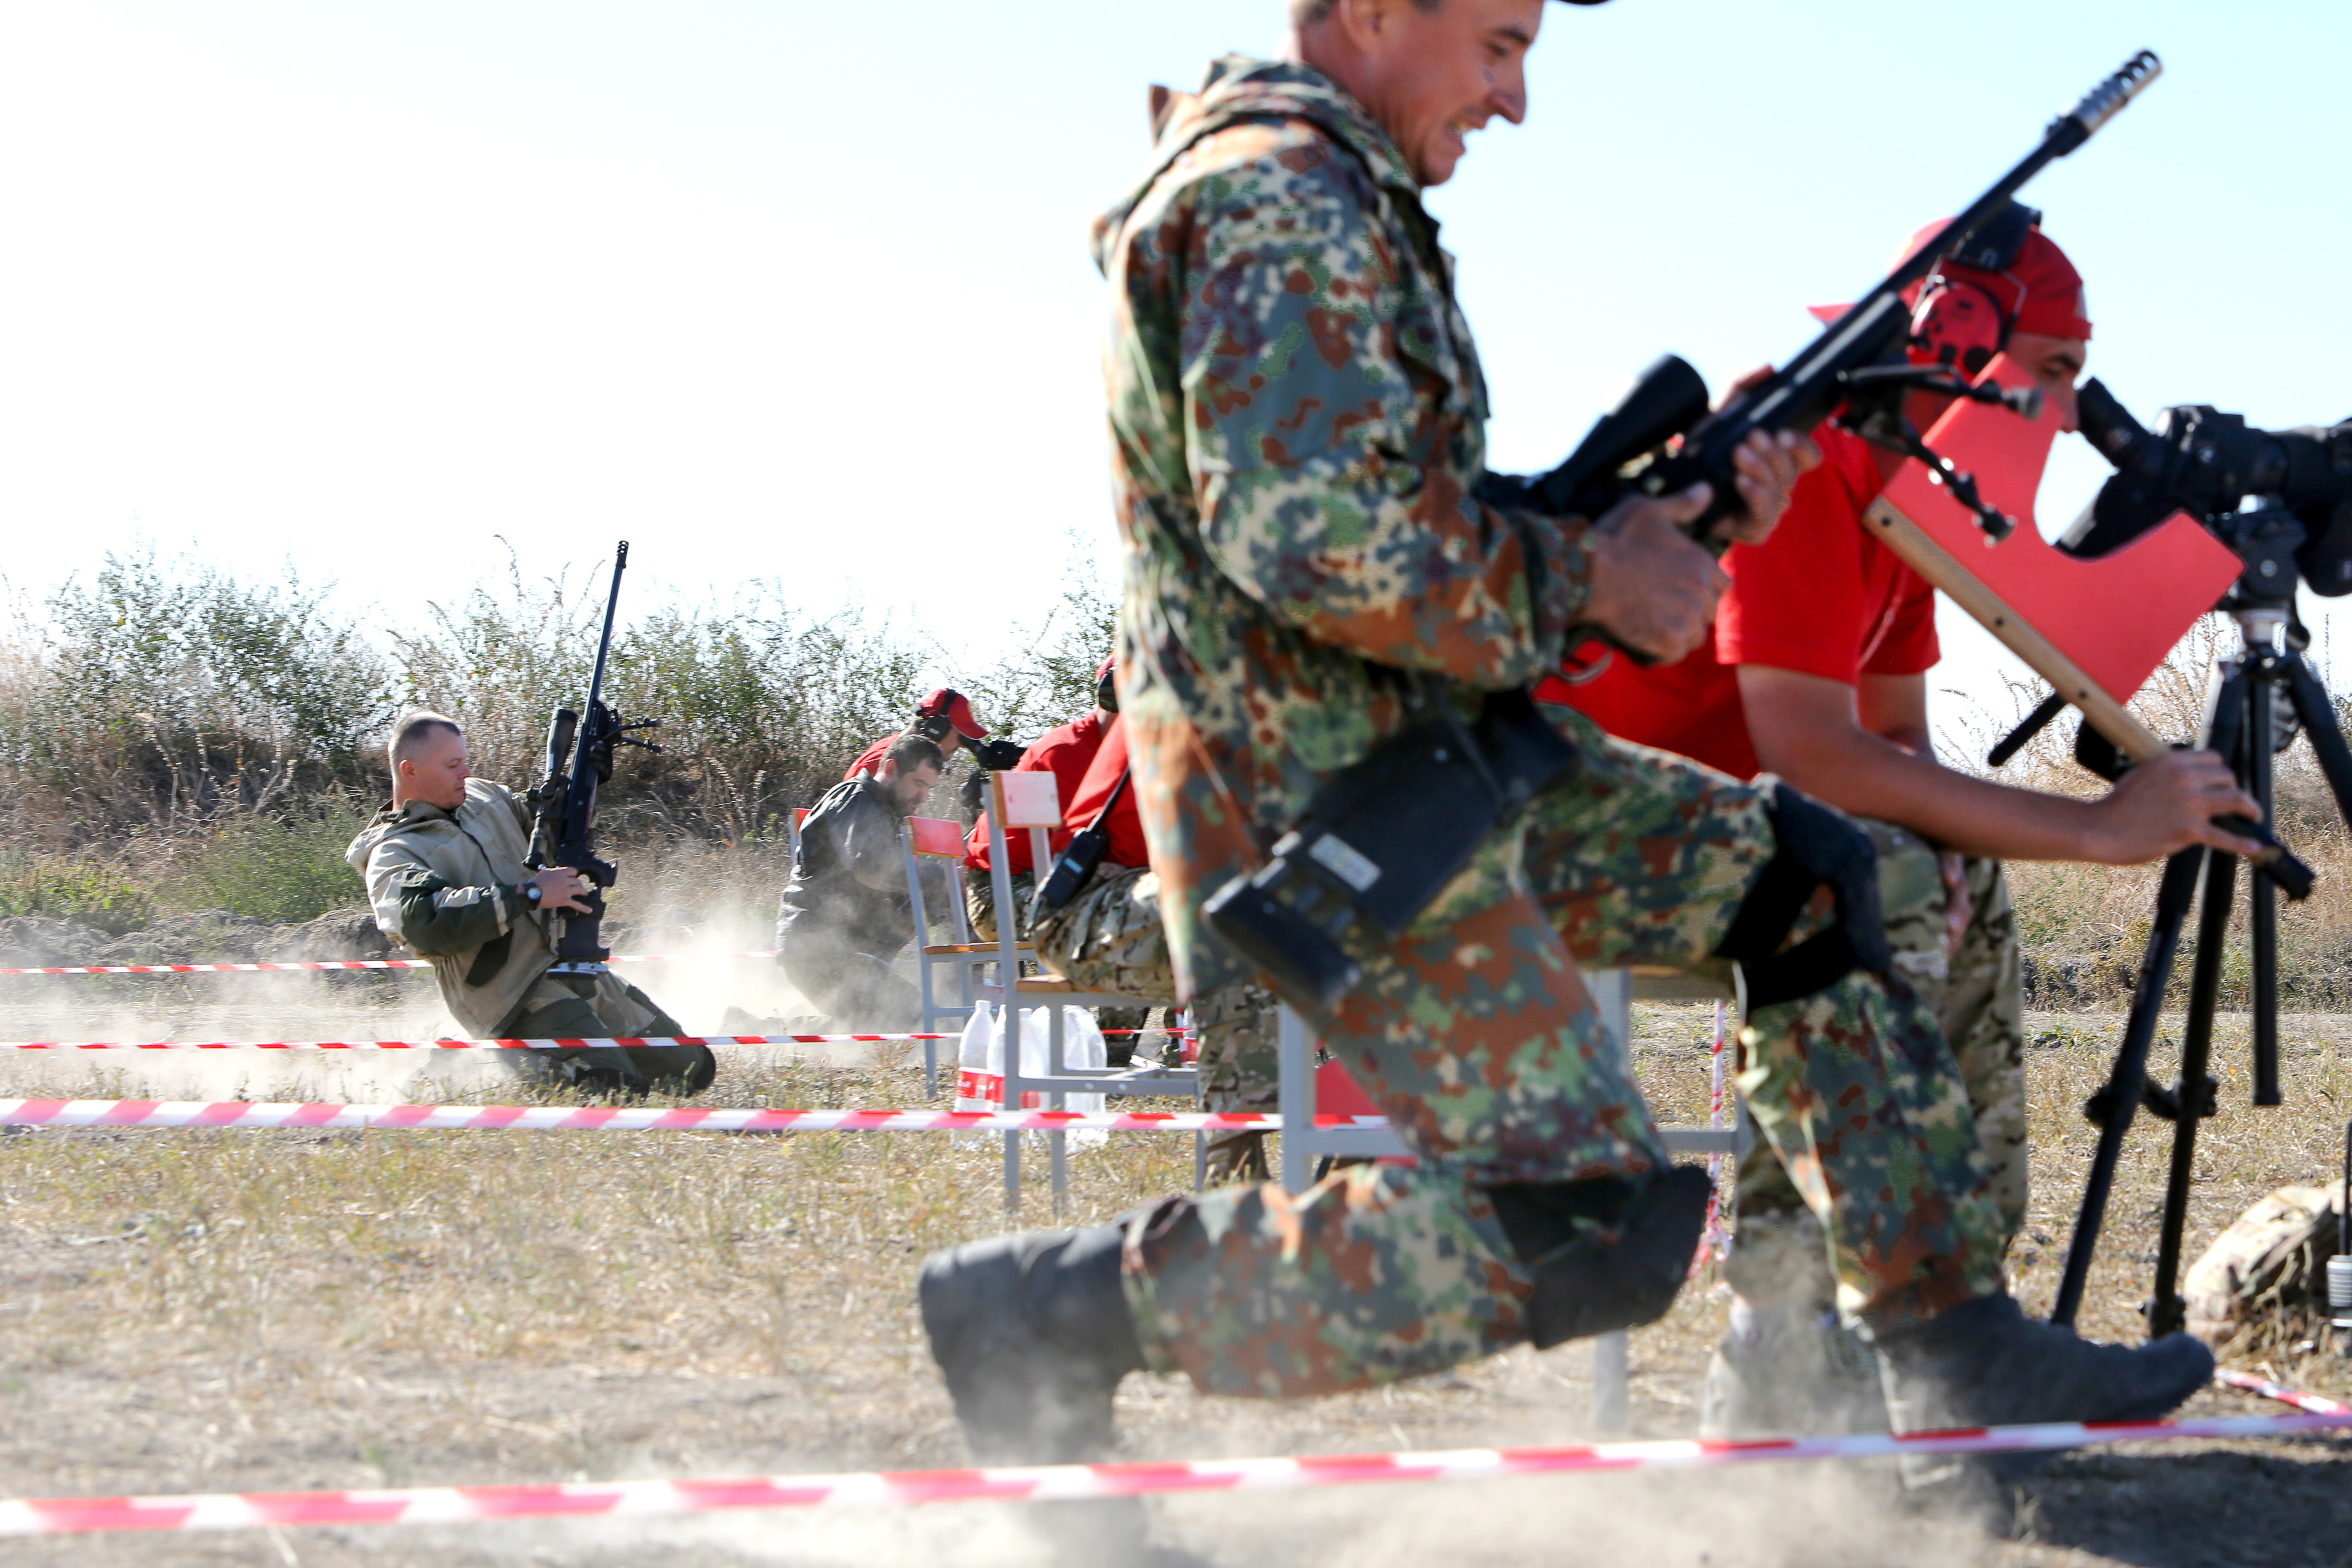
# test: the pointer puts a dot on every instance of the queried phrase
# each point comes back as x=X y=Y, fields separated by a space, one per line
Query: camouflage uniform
x=1971 y=981
x=1298 y=417
x=980 y=903
x=1110 y=937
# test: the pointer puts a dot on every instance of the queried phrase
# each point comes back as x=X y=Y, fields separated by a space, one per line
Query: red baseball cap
x=2040 y=291
x=951 y=705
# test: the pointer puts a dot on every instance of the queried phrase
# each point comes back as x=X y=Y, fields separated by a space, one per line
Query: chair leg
x=1610 y=1367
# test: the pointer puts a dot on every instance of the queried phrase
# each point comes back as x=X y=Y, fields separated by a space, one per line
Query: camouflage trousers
x=1478 y=1041
x=980 y=903
x=578 y=1007
x=1954 y=932
x=1110 y=937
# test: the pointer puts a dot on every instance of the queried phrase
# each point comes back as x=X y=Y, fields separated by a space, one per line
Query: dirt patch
x=249 y=1311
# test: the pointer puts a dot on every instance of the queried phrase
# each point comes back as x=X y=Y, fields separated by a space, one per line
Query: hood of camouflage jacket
x=387 y=821
x=1239 y=87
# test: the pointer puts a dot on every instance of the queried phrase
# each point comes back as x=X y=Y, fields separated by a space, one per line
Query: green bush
x=280 y=870
x=84 y=891
x=174 y=738
x=163 y=693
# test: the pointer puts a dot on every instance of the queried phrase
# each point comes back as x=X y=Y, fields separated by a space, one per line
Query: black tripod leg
x=2164 y=1310
x=2262 y=894
x=2116 y=1103
x=2319 y=716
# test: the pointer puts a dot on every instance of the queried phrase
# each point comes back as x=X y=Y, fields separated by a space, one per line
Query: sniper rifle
x=564 y=804
x=1661 y=438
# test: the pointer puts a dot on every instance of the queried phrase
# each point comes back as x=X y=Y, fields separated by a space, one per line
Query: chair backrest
x=935 y=835
x=1032 y=799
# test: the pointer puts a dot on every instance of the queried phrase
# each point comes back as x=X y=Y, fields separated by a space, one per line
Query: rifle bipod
x=2239 y=728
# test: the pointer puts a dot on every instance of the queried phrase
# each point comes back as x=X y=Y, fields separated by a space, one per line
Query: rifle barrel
x=582 y=760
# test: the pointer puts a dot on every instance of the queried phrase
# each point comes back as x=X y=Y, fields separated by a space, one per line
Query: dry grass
x=187 y=1311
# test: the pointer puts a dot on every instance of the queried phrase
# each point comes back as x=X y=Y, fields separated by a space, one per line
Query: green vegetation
x=172 y=738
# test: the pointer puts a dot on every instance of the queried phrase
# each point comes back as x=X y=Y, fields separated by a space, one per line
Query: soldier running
x=1297 y=418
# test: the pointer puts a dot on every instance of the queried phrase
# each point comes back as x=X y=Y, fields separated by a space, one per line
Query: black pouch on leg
x=1813 y=847
x=1380 y=841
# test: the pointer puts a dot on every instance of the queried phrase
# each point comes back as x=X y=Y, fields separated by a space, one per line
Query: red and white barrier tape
x=337 y=963
x=2316 y=1404
x=1039 y=1483
x=626 y=1119
x=452 y=1045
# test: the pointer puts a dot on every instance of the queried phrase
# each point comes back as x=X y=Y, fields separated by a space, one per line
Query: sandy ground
x=246 y=1312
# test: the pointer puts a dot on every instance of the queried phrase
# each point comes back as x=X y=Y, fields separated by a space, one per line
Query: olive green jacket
x=443 y=885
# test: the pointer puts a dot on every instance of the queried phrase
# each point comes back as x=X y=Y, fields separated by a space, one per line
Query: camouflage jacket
x=1298 y=455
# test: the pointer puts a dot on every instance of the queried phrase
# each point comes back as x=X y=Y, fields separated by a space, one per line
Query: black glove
x=973 y=792
x=997 y=756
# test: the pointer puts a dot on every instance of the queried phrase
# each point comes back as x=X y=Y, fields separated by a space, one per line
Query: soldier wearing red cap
x=944 y=718
x=1817 y=672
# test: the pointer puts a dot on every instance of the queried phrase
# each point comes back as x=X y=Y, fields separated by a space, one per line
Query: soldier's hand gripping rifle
x=564 y=803
x=1381 y=838
x=1661 y=439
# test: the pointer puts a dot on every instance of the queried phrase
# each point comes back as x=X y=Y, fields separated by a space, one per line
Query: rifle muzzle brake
x=2102 y=103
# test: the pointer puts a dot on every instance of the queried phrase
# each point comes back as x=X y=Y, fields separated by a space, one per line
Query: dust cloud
x=708 y=995
x=1772 y=1516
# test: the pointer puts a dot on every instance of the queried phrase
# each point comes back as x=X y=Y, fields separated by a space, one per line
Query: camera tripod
x=2243 y=724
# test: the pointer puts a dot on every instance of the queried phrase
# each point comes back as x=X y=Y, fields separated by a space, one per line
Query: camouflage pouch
x=2274 y=1258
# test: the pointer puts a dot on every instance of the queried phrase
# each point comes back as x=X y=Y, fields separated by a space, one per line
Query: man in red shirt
x=1109 y=938
x=1817 y=672
x=1065 y=751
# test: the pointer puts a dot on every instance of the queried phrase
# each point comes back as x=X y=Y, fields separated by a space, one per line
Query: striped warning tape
x=2316 y=1404
x=628 y=1119
x=483 y=1044
x=337 y=964
x=1038 y=1483
x=452 y=1045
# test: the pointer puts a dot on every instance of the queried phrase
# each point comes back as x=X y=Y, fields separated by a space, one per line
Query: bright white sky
x=800 y=290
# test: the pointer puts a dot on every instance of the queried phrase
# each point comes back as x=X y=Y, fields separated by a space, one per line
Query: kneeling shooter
x=445 y=875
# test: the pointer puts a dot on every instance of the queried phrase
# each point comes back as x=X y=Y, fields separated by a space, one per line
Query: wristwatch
x=531 y=893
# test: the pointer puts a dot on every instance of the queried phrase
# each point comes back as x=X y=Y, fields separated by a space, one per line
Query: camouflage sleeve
x=441 y=921
x=1325 y=440
x=417 y=906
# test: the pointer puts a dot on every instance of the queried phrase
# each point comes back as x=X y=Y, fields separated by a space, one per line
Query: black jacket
x=849 y=874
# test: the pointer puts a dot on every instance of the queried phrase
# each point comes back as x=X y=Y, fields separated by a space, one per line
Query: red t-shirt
x=1125 y=823
x=1065 y=751
x=870 y=760
x=1820 y=597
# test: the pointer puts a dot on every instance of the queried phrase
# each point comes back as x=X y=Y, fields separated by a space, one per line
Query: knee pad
x=1586 y=1282
x=1813 y=847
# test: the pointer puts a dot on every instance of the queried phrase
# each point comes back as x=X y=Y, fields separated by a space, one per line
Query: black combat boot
x=1986 y=1364
x=1032 y=1335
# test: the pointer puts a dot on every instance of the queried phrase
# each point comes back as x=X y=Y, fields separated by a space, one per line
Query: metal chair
x=940 y=840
